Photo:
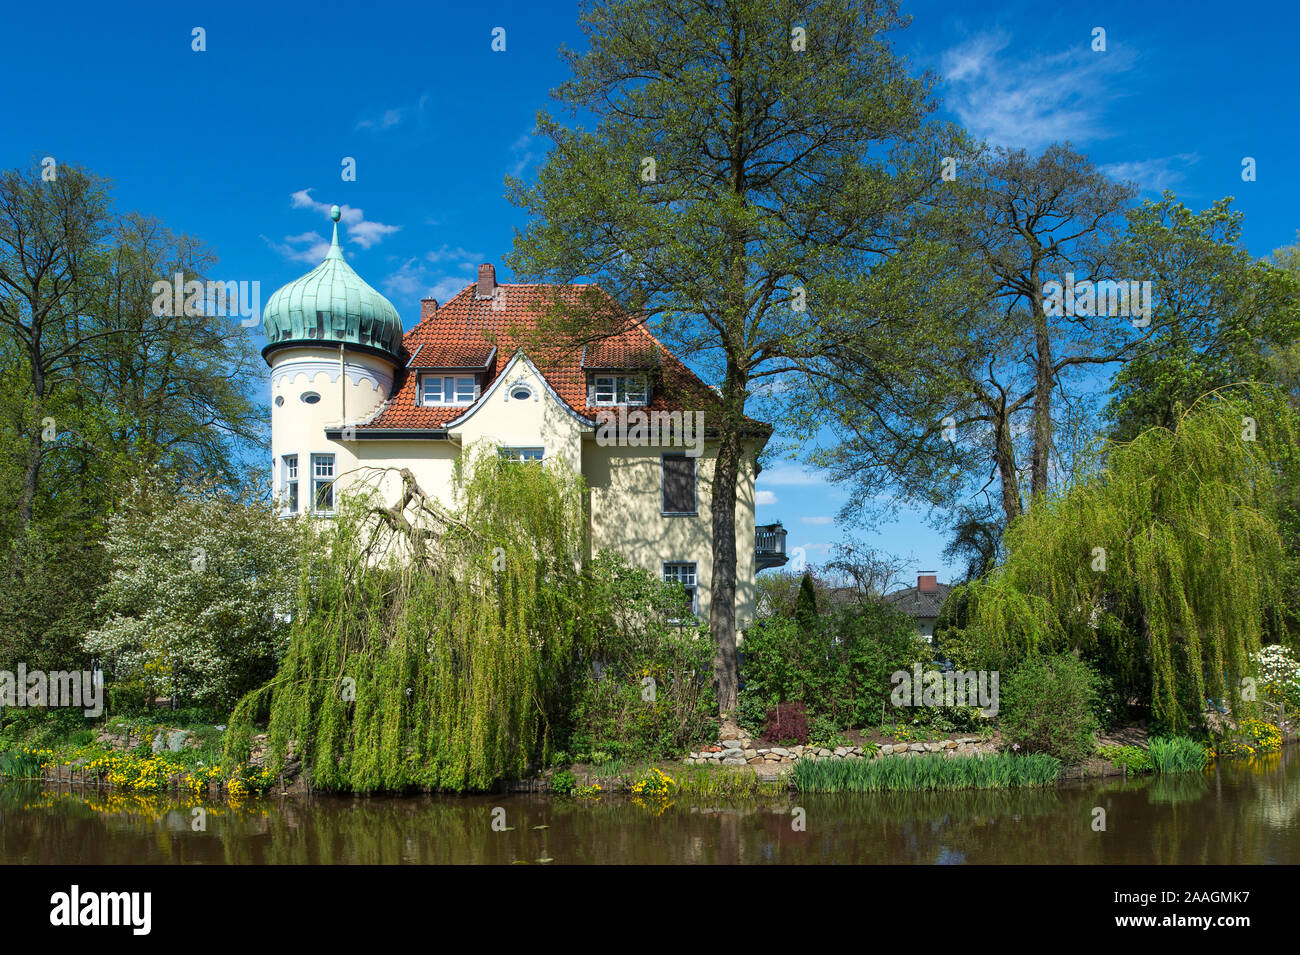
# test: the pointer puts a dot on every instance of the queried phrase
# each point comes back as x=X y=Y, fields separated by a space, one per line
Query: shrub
x=837 y=664
x=787 y=721
x=563 y=782
x=1047 y=706
x=1133 y=759
x=646 y=690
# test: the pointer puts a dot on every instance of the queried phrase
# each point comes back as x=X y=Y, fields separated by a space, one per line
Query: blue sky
x=242 y=145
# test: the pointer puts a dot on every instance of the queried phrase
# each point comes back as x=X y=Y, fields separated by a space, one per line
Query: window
x=679 y=484
x=290 y=482
x=322 y=483
x=309 y=397
x=523 y=454
x=521 y=392
x=684 y=574
x=440 y=390
x=620 y=390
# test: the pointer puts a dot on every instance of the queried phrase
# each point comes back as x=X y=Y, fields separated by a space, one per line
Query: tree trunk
x=1005 y=456
x=32 y=471
x=722 y=604
x=1043 y=384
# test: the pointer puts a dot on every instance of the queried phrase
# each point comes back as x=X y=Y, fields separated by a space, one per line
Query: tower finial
x=335 y=251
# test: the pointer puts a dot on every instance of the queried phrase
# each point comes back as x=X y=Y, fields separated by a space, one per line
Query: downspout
x=343 y=388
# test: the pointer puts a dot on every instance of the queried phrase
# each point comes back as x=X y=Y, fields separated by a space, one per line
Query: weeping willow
x=430 y=647
x=1166 y=563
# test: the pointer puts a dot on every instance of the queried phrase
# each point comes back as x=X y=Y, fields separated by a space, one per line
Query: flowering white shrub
x=198 y=597
x=1279 y=672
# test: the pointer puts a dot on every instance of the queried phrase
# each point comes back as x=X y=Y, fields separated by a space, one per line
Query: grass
x=926 y=773
x=1177 y=754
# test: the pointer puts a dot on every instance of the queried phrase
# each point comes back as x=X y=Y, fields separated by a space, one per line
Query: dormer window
x=620 y=390
x=448 y=390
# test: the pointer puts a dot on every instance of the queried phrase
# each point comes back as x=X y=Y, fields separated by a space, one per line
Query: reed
x=1177 y=754
x=926 y=773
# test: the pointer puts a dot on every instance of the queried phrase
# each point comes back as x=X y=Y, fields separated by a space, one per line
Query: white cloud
x=395 y=116
x=764 y=497
x=1153 y=175
x=522 y=152
x=816 y=520
x=1029 y=99
x=790 y=475
x=308 y=247
x=363 y=232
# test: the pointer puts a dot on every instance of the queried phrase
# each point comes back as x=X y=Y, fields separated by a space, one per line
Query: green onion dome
x=332 y=305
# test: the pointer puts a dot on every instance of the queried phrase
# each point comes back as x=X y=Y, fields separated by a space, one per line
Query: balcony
x=769 y=546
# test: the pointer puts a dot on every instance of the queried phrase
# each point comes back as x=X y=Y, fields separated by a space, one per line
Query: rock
x=841 y=751
x=733 y=760
x=751 y=753
x=731 y=744
x=755 y=760
x=950 y=744
x=176 y=740
x=780 y=751
x=797 y=751
x=916 y=748
x=733 y=752
x=933 y=747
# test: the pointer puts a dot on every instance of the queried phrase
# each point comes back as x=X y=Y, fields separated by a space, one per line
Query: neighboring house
x=352 y=396
x=922 y=602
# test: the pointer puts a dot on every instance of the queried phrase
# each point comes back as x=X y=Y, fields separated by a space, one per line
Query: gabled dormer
x=450 y=375
x=620 y=374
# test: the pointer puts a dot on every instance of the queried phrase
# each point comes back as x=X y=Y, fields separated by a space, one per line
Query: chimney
x=927 y=583
x=487 y=281
x=427 y=307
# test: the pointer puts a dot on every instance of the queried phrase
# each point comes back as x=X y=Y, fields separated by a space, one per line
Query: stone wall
x=743 y=752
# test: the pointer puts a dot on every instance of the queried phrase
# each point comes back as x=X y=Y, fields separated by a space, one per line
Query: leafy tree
x=1166 y=565
x=199 y=591
x=1218 y=316
x=746 y=152
x=805 y=612
x=935 y=412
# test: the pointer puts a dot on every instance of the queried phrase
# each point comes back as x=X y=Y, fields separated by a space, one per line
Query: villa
x=353 y=396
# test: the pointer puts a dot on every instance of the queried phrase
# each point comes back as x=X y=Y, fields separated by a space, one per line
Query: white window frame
x=320 y=480
x=523 y=454
x=462 y=389
x=611 y=390
x=686 y=573
x=289 y=482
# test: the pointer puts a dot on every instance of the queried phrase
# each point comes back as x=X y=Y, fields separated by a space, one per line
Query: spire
x=335 y=251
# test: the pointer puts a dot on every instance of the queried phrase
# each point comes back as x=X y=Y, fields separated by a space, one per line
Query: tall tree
x=744 y=151
x=952 y=379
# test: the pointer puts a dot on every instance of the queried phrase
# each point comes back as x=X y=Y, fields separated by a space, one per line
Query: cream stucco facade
x=518 y=409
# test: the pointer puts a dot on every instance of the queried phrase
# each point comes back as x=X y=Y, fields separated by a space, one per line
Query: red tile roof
x=467 y=327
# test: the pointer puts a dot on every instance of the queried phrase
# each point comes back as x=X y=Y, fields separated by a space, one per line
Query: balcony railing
x=769 y=546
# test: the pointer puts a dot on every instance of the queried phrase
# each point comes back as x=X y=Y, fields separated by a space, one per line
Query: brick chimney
x=427 y=307
x=487 y=281
x=927 y=583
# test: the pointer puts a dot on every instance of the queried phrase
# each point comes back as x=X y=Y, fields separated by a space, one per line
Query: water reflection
x=1234 y=813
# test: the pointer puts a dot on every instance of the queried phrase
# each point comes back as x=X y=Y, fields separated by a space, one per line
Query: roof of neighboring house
x=918 y=603
x=475 y=331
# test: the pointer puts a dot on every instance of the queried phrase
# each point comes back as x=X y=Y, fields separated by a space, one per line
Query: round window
x=521 y=393
x=309 y=397
x=279 y=400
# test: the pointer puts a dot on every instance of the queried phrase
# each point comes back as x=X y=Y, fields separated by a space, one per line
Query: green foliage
x=925 y=773
x=653 y=696
x=439 y=661
x=201 y=582
x=563 y=783
x=1134 y=759
x=1047 y=707
x=1177 y=755
x=1164 y=565
x=840 y=670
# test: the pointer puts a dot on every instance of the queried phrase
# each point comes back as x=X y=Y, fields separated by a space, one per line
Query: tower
x=333 y=346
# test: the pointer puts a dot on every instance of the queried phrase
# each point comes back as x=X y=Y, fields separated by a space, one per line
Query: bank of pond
x=1242 y=811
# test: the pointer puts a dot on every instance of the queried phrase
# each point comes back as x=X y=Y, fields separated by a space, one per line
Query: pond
x=1235 y=812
